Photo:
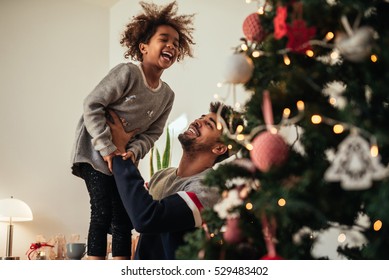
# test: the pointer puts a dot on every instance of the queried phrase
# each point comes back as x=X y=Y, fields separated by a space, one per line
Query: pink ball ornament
x=269 y=150
x=252 y=28
x=269 y=257
x=233 y=233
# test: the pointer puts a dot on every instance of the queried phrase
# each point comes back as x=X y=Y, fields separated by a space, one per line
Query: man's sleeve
x=176 y=212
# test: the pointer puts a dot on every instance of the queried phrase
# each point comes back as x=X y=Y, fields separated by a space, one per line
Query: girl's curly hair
x=143 y=27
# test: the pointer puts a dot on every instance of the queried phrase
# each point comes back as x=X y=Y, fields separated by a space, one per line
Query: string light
x=338 y=129
x=240 y=137
x=249 y=206
x=332 y=101
x=286 y=113
x=256 y=53
x=239 y=129
x=373 y=58
x=329 y=36
x=286 y=59
x=341 y=238
x=300 y=105
x=374 y=150
x=281 y=202
x=244 y=47
x=377 y=225
x=316 y=119
x=309 y=53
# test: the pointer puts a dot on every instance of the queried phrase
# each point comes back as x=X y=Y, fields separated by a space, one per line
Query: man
x=173 y=205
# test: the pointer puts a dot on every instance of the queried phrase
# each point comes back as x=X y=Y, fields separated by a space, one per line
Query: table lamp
x=13 y=210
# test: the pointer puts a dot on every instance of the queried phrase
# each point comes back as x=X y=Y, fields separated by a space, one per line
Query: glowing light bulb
x=261 y=10
x=229 y=146
x=334 y=55
x=374 y=150
x=310 y=53
x=332 y=101
x=300 y=105
x=286 y=113
x=329 y=36
x=256 y=53
x=244 y=47
x=240 y=137
x=341 y=238
x=316 y=119
x=239 y=129
x=338 y=128
x=377 y=225
x=249 y=147
x=273 y=130
x=281 y=202
x=373 y=58
x=286 y=60
x=249 y=206
x=219 y=85
x=219 y=126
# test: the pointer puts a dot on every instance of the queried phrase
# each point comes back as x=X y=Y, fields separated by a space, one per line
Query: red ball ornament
x=252 y=28
x=269 y=150
x=233 y=233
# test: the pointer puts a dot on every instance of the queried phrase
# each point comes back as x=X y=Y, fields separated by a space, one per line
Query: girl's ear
x=143 y=48
x=219 y=149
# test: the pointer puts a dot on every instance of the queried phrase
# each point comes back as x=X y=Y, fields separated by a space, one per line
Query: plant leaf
x=166 y=153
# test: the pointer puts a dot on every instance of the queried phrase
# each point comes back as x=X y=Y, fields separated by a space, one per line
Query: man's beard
x=189 y=145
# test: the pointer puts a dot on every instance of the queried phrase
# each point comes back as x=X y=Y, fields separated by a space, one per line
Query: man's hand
x=120 y=137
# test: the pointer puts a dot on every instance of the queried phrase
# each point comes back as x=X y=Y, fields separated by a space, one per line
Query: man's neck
x=193 y=164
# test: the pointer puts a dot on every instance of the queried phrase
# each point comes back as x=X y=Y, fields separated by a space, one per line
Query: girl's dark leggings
x=107 y=215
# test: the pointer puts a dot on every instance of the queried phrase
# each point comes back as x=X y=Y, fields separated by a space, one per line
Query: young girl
x=156 y=38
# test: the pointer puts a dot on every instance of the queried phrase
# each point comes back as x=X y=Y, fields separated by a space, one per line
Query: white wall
x=52 y=53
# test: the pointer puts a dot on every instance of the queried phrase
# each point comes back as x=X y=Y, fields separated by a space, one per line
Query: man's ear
x=219 y=149
x=143 y=48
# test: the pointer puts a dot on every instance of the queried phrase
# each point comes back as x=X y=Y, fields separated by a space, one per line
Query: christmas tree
x=319 y=69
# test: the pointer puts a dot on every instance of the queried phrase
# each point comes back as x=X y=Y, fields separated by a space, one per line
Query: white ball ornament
x=357 y=46
x=238 y=69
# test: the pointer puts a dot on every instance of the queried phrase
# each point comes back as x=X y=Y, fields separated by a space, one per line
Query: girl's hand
x=108 y=159
x=129 y=155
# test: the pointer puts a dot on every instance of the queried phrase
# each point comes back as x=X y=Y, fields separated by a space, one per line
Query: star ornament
x=354 y=167
x=299 y=35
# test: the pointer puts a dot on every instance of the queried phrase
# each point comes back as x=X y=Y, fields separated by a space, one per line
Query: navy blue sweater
x=161 y=224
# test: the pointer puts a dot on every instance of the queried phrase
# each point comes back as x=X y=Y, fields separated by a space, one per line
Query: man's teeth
x=191 y=130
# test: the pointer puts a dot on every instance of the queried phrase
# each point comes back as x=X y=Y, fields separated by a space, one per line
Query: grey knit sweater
x=125 y=91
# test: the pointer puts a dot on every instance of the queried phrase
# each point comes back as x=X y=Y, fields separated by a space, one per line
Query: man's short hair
x=231 y=119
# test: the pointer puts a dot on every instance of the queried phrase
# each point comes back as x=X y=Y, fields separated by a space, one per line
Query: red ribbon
x=36 y=246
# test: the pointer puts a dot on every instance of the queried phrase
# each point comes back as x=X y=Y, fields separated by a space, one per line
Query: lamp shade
x=15 y=210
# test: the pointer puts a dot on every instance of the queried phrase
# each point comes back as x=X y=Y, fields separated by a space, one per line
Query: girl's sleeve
x=110 y=89
x=180 y=211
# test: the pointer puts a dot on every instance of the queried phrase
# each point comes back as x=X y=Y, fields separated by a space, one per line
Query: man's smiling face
x=202 y=134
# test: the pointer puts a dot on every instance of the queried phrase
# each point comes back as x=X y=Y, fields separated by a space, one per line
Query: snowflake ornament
x=354 y=166
x=224 y=207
